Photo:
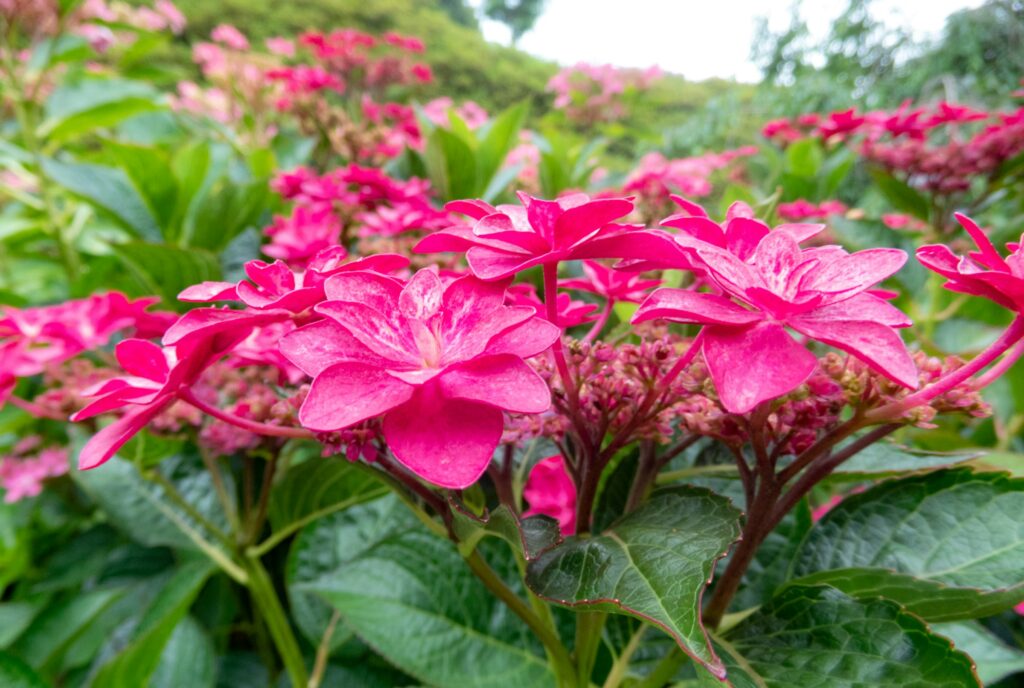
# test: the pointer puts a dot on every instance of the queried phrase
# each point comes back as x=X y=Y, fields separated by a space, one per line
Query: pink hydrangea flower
x=22 y=473
x=983 y=272
x=309 y=230
x=230 y=36
x=508 y=239
x=438 y=364
x=550 y=492
x=613 y=285
x=277 y=45
x=822 y=293
x=569 y=312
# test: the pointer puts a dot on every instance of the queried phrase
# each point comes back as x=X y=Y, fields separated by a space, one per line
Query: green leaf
x=107 y=188
x=411 y=597
x=166 y=270
x=15 y=673
x=15 y=617
x=224 y=211
x=804 y=157
x=653 y=563
x=137 y=662
x=995 y=659
x=451 y=165
x=502 y=134
x=318 y=487
x=816 y=636
x=140 y=507
x=902 y=197
x=60 y=624
x=92 y=104
x=836 y=168
x=884 y=459
x=149 y=171
x=188 y=659
x=948 y=544
x=773 y=559
x=527 y=538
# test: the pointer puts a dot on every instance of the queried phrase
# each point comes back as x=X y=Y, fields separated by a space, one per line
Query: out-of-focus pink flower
x=822 y=293
x=840 y=124
x=901 y=221
x=422 y=73
x=802 y=209
x=277 y=45
x=401 y=218
x=569 y=312
x=176 y=21
x=983 y=272
x=228 y=35
x=303 y=234
x=23 y=471
x=472 y=114
x=613 y=285
x=439 y=364
x=508 y=239
x=550 y=492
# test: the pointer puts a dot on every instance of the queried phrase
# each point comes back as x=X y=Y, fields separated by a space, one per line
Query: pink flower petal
x=386 y=337
x=458 y=239
x=447 y=442
x=323 y=343
x=379 y=292
x=473 y=208
x=347 y=393
x=755 y=364
x=856 y=272
x=683 y=305
x=530 y=338
x=872 y=342
x=503 y=381
x=209 y=291
x=421 y=296
x=142 y=358
x=105 y=443
x=583 y=220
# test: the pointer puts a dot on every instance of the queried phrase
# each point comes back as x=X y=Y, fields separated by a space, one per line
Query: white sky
x=696 y=38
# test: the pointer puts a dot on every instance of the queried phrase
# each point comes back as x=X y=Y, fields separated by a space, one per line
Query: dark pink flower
x=983 y=272
x=303 y=234
x=550 y=492
x=822 y=293
x=439 y=365
x=569 y=312
x=613 y=285
x=508 y=239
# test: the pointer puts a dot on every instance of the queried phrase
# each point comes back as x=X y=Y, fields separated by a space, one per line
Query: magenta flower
x=551 y=492
x=983 y=272
x=613 y=285
x=822 y=293
x=439 y=365
x=508 y=239
x=569 y=312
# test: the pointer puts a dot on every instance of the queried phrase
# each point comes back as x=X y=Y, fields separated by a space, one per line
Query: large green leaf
x=653 y=563
x=995 y=659
x=165 y=269
x=411 y=597
x=223 y=211
x=501 y=136
x=92 y=104
x=451 y=165
x=15 y=673
x=947 y=544
x=188 y=659
x=817 y=637
x=107 y=188
x=149 y=171
x=884 y=459
x=318 y=487
x=901 y=195
x=60 y=624
x=139 y=659
x=804 y=157
x=143 y=510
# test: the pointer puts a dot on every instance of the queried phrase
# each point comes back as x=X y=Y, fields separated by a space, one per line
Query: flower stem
x=997 y=371
x=896 y=409
x=601 y=321
x=189 y=396
x=588 y=638
x=269 y=605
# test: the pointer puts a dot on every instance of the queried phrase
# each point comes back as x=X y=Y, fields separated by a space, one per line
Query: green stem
x=618 y=671
x=269 y=605
x=588 y=638
x=664 y=670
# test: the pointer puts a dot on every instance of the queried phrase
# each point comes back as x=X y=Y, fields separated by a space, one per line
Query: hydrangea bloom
x=438 y=363
x=508 y=239
x=613 y=285
x=983 y=272
x=821 y=293
x=550 y=492
x=23 y=471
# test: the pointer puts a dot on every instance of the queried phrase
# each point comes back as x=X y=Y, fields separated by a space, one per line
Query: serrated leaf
x=817 y=637
x=411 y=597
x=318 y=487
x=149 y=171
x=528 y=537
x=137 y=662
x=653 y=563
x=947 y=544
x=995 y=659
x=109 y=189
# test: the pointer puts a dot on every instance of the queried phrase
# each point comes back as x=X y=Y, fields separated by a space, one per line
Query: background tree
x=518 y=15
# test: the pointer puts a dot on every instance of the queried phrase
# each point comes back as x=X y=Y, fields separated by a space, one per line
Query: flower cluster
x=596 y=93
x=802 y=209
x=28 y=464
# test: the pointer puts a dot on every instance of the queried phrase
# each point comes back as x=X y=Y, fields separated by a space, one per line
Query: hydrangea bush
x=446 y=431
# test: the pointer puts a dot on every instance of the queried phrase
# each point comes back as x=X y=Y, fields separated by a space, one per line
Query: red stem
x=996 y=371
x=187 y=395
x=601 y=321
